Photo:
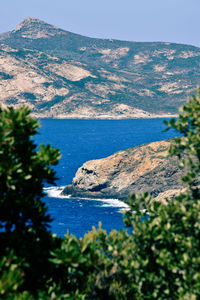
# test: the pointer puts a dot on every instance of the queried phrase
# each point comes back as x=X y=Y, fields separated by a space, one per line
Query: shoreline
x=56 y=192
x=39 y=116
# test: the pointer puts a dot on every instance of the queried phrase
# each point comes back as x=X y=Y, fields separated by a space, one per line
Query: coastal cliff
x=138 y=169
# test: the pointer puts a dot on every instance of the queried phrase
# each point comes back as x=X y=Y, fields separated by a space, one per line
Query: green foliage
x=29 y=96
x=55 y=100
x=159 y=257
x=156 y=257
x=187 y=146
x=23 y=170
x=166 y=243
x=5 y=76
x=11 y=277
x=93 y=266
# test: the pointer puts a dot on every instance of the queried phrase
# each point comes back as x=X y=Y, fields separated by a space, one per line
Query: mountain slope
x=55 y=87
x=115 y=78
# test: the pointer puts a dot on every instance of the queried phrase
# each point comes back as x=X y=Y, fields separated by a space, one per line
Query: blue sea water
x=83 y=140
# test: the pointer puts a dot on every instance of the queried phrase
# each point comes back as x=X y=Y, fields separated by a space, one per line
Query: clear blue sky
x=135 y=20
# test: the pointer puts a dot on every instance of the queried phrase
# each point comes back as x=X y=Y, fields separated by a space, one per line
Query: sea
x=80 y=141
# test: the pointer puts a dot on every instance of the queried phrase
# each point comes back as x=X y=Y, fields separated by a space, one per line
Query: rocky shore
x=135 y=170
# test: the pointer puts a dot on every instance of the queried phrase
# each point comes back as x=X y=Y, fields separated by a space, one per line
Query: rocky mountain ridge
x=135 y=170
x=60 y=74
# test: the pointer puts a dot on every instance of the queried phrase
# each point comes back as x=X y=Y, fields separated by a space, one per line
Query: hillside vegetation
x=62 y=74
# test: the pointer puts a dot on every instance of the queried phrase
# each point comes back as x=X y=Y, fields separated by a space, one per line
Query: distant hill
x=62 y=74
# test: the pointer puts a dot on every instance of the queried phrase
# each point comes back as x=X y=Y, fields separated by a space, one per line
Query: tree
x=166 y=245
x=24 y=222
x=159 y=257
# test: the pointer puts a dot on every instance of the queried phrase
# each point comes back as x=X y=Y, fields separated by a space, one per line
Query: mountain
x=62 y=74
x=135 y=170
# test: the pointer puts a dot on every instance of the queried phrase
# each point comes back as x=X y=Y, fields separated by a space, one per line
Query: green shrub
x=159 y=257
x=24 y=222
x=156 y=257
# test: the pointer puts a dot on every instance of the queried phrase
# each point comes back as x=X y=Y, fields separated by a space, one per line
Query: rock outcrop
x=138 y=169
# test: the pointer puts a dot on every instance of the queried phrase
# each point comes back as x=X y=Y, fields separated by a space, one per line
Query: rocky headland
x=135 y=170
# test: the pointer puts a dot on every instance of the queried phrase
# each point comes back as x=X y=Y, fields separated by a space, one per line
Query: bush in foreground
x=157 y=258
x=24 y=222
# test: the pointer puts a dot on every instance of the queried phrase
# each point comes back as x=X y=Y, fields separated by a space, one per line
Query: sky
x=133 y=20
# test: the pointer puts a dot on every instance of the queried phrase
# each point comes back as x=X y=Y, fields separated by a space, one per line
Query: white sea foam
x=55 y=192
x=113 y=202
